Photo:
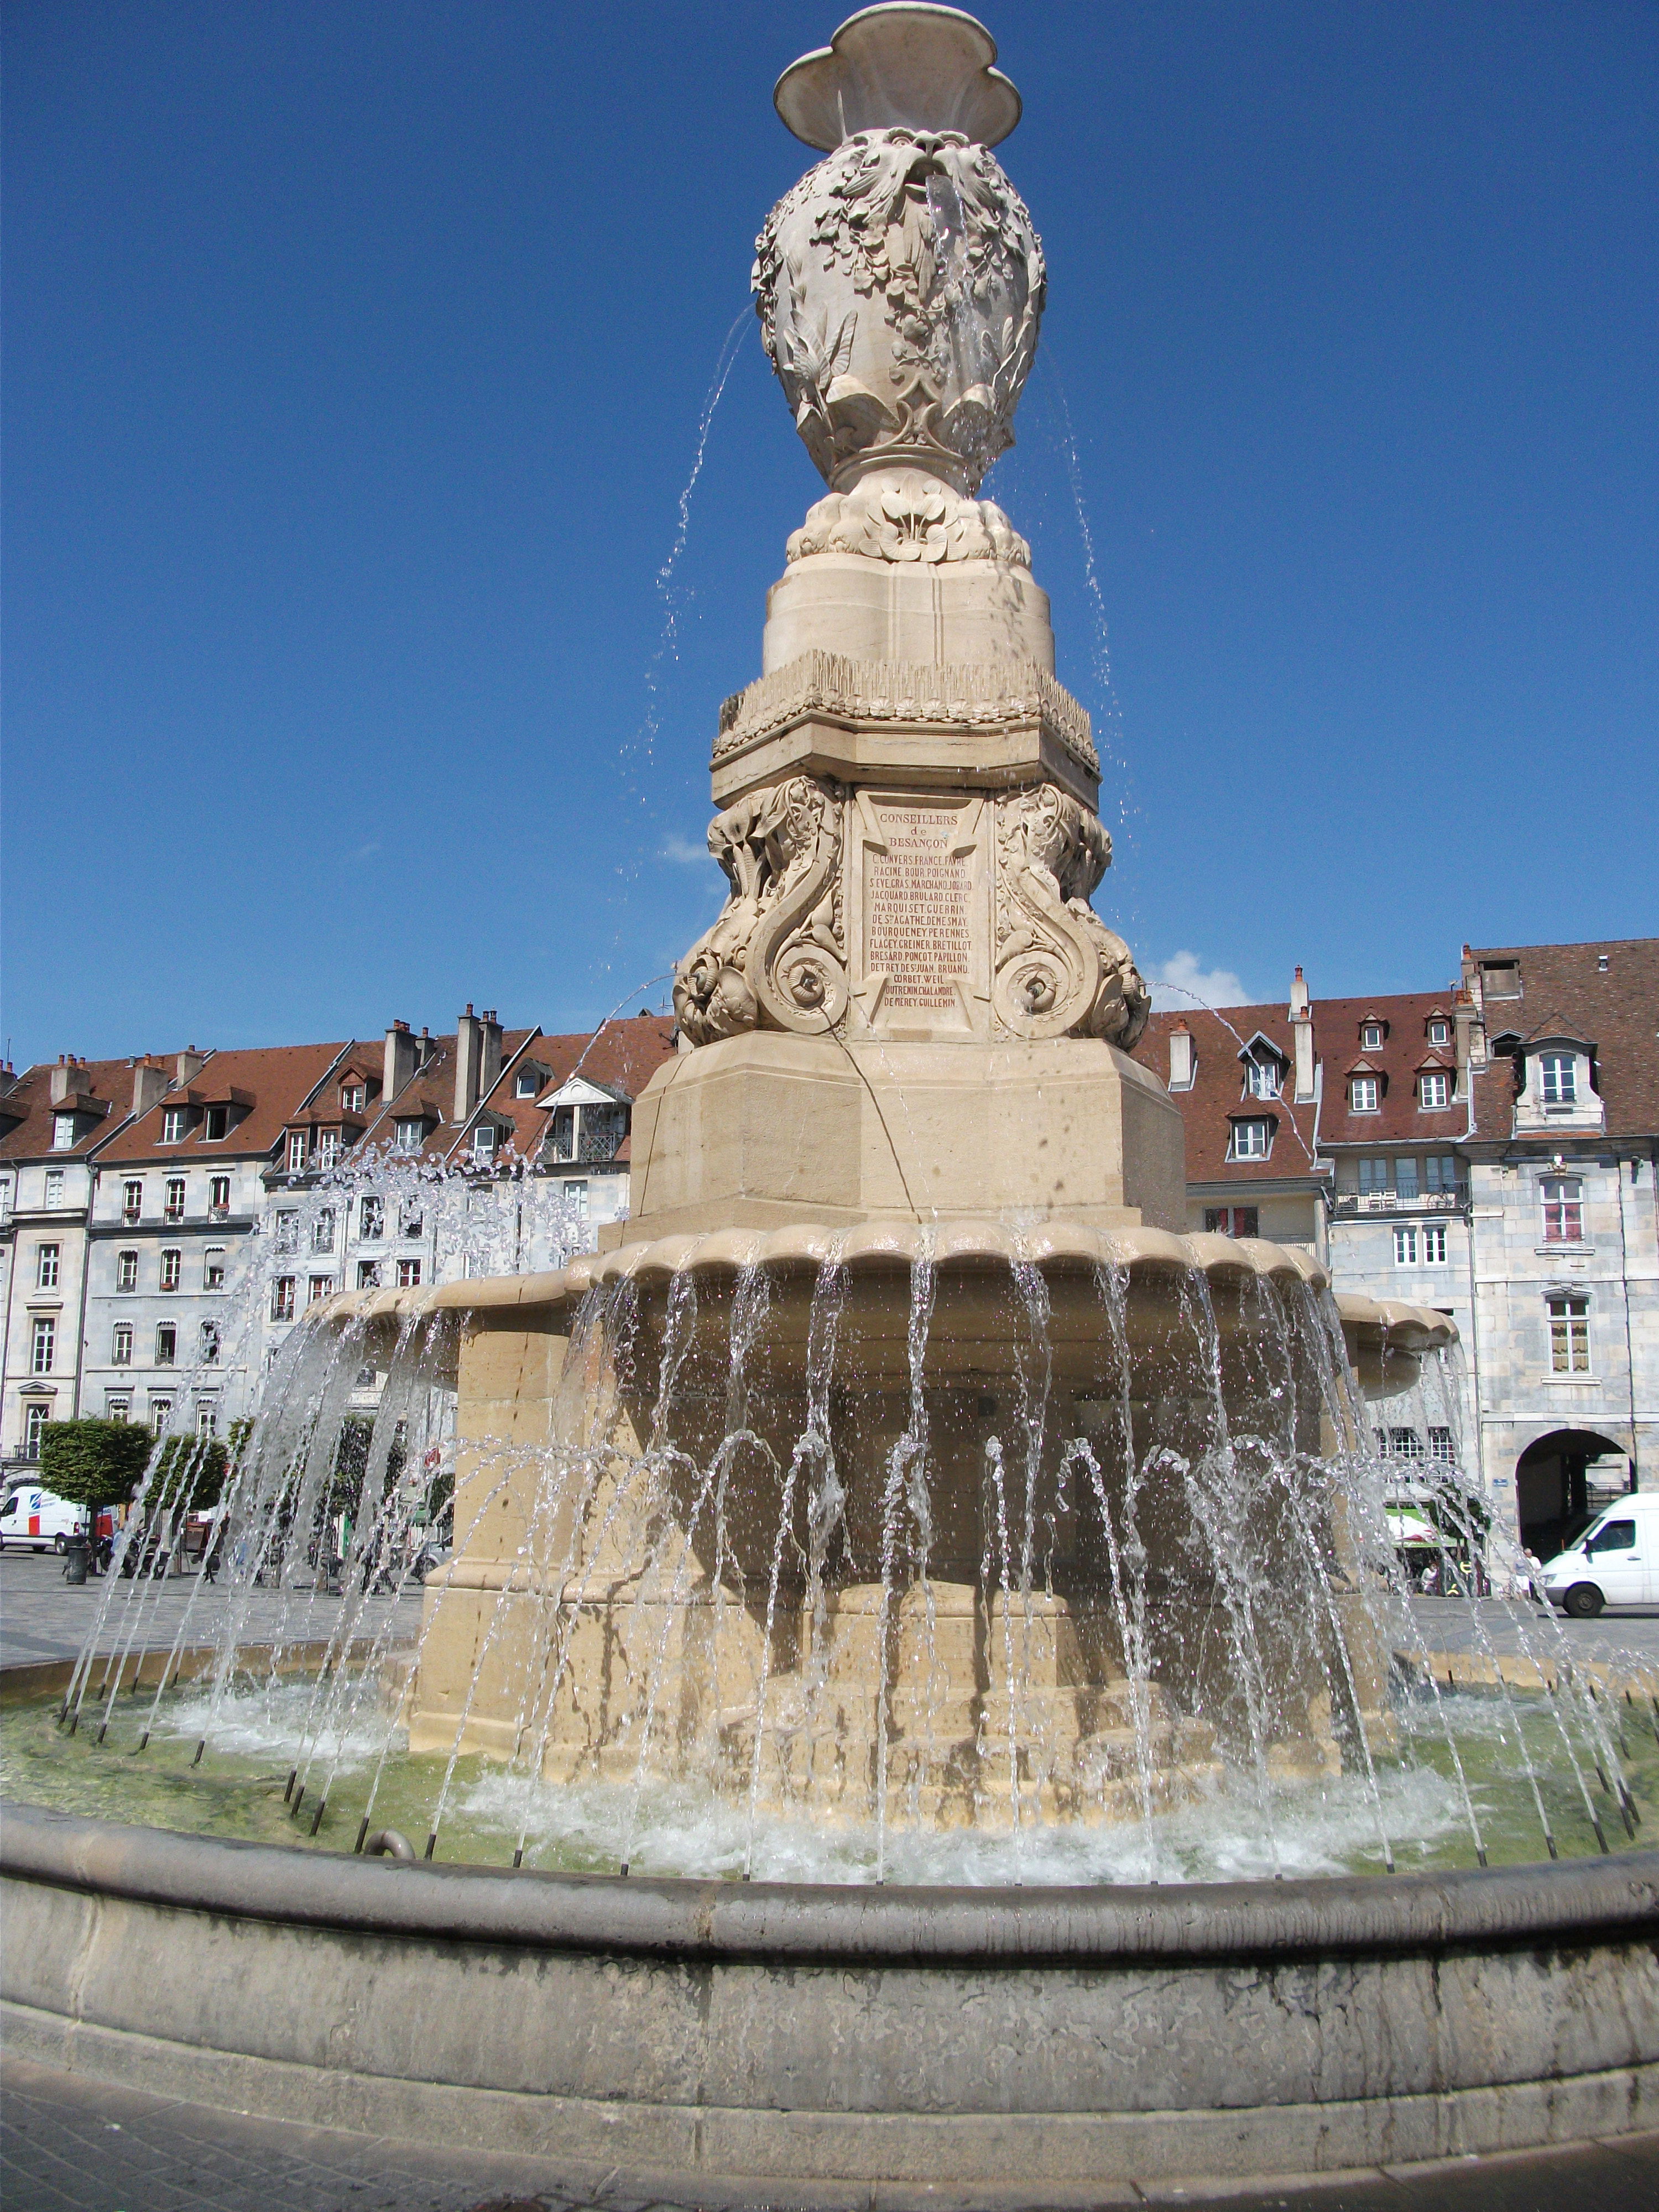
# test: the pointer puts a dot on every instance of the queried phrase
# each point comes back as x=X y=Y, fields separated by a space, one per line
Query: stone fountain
x=900 y=1467
x=904 y=1136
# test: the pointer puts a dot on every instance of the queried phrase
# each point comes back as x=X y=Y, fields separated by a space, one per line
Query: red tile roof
x=27 y=1110
x=1565 y=992
x=622 y=1057
x=279 y=1079
x=1404 y=1051
x=430 y=1094
x=1218 y=1095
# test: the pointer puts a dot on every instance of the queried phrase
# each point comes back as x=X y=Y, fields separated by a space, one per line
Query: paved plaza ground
x=43 y=1617
x=68 y=2144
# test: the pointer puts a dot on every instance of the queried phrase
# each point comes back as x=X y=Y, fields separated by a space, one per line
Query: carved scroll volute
x=798 y=963
x=774 y=958
x=1060 y=971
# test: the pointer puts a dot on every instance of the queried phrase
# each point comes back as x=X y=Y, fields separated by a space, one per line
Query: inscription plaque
x=916 y=909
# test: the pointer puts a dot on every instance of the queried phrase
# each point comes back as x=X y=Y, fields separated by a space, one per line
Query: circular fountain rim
x=712 y=1917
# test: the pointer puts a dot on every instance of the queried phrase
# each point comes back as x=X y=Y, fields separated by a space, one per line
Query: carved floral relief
x=900 y=285
x=905 y=514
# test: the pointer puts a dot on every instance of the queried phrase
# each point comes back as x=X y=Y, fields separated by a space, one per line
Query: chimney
x=400 y=1063
x=468 y=1041
x=1301 y=1039
x=148 y=1082
x=62 y=1080
x=190 y=1063
x=1470 y=1039
x=1182 y=1062
x=7 y=1077
x=426 y=1045
x=489 y=1067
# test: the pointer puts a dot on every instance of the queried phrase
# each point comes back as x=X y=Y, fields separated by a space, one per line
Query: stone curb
x=1500 y=1908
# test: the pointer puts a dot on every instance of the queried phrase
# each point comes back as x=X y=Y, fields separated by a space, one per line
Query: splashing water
x=953 y=1573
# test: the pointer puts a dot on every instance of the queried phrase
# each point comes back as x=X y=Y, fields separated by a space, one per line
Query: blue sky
x=356 y=358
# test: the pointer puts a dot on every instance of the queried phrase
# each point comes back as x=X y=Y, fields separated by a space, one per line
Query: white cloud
x=682 y=851
x=1180 y=982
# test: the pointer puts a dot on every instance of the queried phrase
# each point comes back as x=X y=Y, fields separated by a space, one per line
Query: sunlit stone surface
x=908 y=1514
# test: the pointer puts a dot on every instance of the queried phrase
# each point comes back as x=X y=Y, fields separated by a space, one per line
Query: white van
x=39 y=1519
x=1614 y=1562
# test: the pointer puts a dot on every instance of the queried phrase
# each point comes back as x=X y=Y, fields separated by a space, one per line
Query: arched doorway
x=1558 y=1485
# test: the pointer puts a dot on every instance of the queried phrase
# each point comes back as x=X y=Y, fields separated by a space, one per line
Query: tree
x=94 y=1463
x=189 y=1474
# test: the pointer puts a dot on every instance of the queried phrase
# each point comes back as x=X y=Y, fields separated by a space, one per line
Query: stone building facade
x=1488 y=1151
x=164 y=1221
x=427 y=1159
x=1563 y=1145
x=53 y=1121
x=176 y=1225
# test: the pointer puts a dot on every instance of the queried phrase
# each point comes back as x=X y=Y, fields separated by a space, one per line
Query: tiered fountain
x=900 y=1470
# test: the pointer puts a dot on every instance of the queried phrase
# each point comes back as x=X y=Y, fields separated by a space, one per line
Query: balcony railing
x=1392 y=1202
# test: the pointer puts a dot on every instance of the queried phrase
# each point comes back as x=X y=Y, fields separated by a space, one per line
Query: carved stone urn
x=900 y=284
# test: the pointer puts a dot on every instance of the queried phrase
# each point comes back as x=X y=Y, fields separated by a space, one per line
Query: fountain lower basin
x=785 y=2036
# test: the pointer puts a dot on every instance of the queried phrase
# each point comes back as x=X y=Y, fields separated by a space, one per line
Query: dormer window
x=297 y=1152
x=587 y=1122
x=1557 y=1079
x=63 y=1132
x=352 y=1097
x=1371 y=1036
x=527 y=1083
x=215 y=1123
x=1364 y=1094
x=1439 y=1030
x=1252 y=1140
x=484 y=1140
x=411 y=1135
x=1261 y=1076
x=1434 y=1089
x=174 y=1120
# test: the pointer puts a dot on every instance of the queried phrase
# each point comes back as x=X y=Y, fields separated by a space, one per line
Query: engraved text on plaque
x=916 y=930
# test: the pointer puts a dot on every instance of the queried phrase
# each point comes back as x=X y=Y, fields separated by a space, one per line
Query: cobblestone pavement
x=70 y=2145
x=43 y=1617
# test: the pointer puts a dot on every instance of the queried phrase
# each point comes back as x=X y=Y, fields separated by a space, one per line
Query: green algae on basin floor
x=239 y=1788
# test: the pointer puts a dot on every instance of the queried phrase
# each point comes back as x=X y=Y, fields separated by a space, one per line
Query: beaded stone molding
x=830 y=686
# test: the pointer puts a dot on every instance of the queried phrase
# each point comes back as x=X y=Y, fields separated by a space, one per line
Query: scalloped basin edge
x=1058 y=1246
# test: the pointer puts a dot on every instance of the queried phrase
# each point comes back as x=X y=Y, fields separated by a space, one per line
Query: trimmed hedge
x=94 y=1463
